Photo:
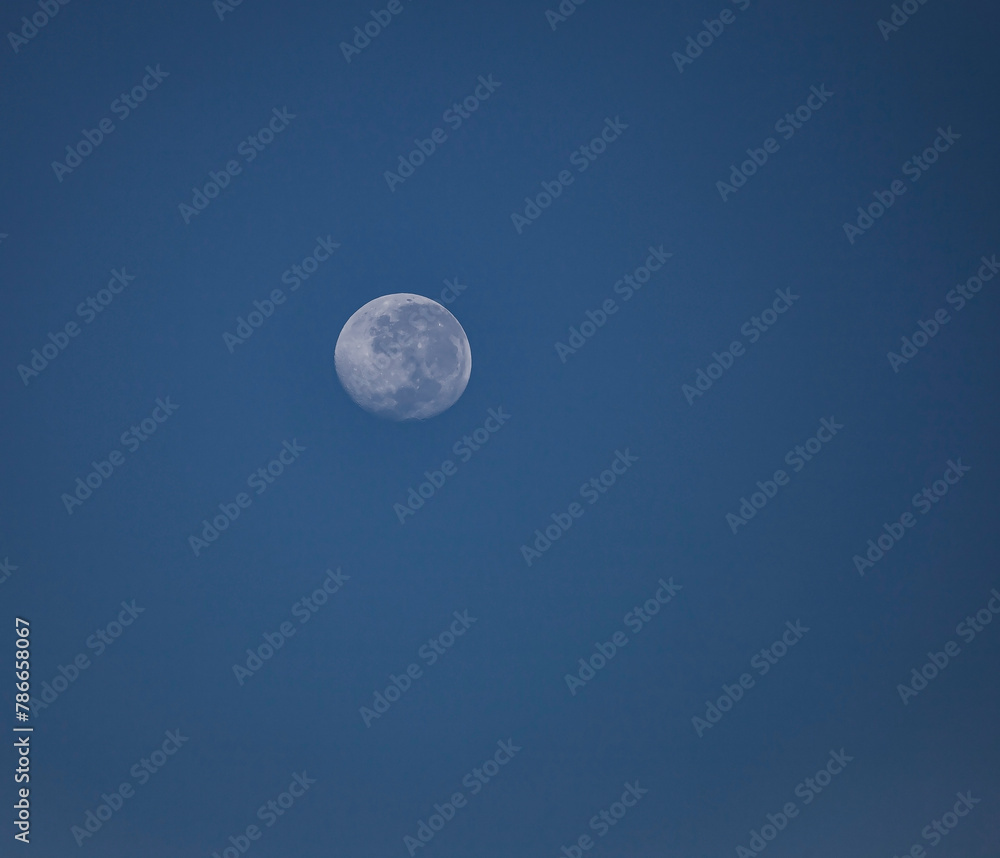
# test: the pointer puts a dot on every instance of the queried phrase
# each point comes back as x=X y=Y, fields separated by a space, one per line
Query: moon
x=403 y=357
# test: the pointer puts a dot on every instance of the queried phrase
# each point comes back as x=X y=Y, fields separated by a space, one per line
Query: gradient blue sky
x=664 y=518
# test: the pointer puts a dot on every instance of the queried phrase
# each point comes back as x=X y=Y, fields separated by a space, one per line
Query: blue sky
x=397 y=592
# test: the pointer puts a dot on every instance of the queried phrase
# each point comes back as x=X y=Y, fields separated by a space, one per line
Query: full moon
x=403 y=357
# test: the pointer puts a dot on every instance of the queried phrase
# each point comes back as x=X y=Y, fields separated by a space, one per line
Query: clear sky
x=756 y=637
